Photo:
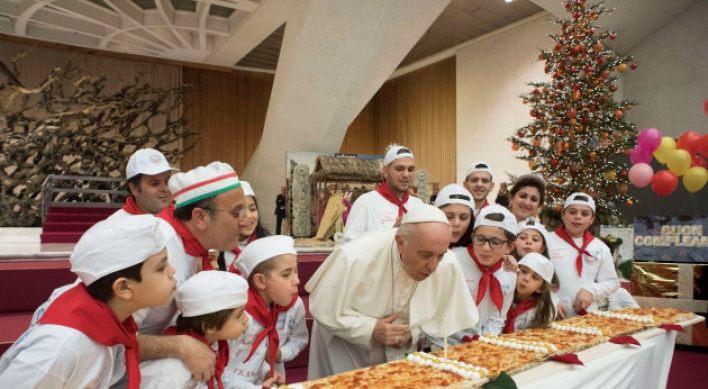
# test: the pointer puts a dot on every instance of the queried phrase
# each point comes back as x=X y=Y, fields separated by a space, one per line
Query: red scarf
x=385 y=191
x=222 y=358
x=268 y=318
x=587 y=238
x=131 y=207
x=516 y=311
x=488 y=279
x=76 y=309
x=486 y=203
x=191 y=244
x=237 y=251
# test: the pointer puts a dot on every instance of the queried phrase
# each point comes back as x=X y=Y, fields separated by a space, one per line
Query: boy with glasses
x=491 y=287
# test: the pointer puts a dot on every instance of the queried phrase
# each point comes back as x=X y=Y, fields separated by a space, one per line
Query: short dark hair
x=215 y=320
x=185 y=213
x=135 y=181
x=102 y=288
x=264 y=268
x=536 y=182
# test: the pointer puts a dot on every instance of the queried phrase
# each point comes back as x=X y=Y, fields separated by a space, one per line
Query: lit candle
x=445 y=337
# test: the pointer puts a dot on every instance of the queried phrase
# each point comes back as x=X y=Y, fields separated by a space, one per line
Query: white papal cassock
x=363 y=281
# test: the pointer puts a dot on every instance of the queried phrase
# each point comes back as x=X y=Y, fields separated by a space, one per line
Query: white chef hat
x=263 y=249
x=425 y=213
x=530 y=223
x=147 y=161
x=480 y=166
x=247 y=190
x=496 y=216
x=540 y=264
x=579 y=198
x=102 y=249
x=454 y=194
x=394 y=152
x=211 y=291
x=203 y=182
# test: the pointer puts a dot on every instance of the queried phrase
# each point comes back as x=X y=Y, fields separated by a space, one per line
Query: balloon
x=640 y=175
x=689 y=142
x=665 y=149
x=697 y=160
x=649 y=139
x=638 y=155
x=664 y=183
x=705 y=106
x=695 y=179
x=703 y=145
x=679 y=162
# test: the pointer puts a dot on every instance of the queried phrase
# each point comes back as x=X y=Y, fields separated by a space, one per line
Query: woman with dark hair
x=527 y=196
x=457 y=203
x=250 y=225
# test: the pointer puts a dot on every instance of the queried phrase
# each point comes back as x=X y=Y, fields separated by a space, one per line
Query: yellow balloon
x=679 y=162
x=695 y=178
x=665 y=149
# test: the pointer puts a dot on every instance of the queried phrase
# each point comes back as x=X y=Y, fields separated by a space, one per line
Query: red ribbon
x=626 y=339
x=488 y=279
x=516 y=311
x=256 y=307
x=222 y=358
x=672 y=327
x=192 y=246
x=486 y=203
x=568 y=358
x=76 y=309
x=467 y=338
x=587 y=238
x=385 y=191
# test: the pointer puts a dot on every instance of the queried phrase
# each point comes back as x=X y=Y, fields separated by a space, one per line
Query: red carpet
x=687 y=368
x=67 y=224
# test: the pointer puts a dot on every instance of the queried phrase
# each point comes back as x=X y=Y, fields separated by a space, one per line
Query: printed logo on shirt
x=591 y=259
x=388 y=217
x=557 y=254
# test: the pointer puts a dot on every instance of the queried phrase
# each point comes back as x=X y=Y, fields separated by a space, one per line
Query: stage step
x=67 y=224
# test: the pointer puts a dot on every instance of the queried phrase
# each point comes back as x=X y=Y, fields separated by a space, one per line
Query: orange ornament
x=532 y=165
x=515 y=146
x=618 y=114
x=622 y=67
x=630 y=203
x=576 y=95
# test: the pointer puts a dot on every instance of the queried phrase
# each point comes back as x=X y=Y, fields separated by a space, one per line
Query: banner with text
x=671 y=239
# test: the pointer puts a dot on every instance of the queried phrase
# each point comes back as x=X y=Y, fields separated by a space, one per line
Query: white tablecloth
x=609 y=365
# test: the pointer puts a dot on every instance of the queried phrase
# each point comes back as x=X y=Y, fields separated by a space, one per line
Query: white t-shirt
x=292 y=333
x=54 y=356
x=371 y=212
x=599 y=276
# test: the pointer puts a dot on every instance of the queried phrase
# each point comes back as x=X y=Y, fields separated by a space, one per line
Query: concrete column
x=335 y=56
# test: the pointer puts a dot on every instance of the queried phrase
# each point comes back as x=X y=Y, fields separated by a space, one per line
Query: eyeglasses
x=236 y=213
x=481 y=240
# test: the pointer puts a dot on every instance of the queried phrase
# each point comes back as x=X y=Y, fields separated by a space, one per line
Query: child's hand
x=278 y=355
x=510 y=264
x=560 y=309
x=582 y=300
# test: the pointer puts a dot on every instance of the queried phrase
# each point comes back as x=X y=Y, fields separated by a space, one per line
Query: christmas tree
x=578 y=128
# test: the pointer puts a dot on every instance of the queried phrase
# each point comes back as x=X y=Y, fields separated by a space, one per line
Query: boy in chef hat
x=212 y=306
x=75 y=343
x=277 y=331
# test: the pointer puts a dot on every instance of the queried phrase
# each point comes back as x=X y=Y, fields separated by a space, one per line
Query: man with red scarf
x=385 y=206
x=86 y=337
x=584 y=265
x=148 y=173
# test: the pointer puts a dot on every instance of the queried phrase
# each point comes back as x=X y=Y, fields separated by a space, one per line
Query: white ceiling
x=248 y=33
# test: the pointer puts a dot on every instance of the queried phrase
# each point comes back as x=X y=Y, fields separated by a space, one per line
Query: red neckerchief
x=76 y=309
x=486 y=203
x=488 y=278
x=191 y=244
x=385 y=191
x=131 y=207
x=516 y=311
x=222 y=358
x=587 y=238
x=268 y=318
x=237 y=251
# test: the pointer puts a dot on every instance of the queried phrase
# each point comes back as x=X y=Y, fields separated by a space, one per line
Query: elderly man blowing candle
x=374 y=297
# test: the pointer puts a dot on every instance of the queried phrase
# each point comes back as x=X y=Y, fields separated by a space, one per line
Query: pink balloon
x=638 y=155
x=641 y=174
x=649 y=139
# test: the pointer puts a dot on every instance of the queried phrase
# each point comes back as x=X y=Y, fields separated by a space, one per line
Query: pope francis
x=374 y=297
